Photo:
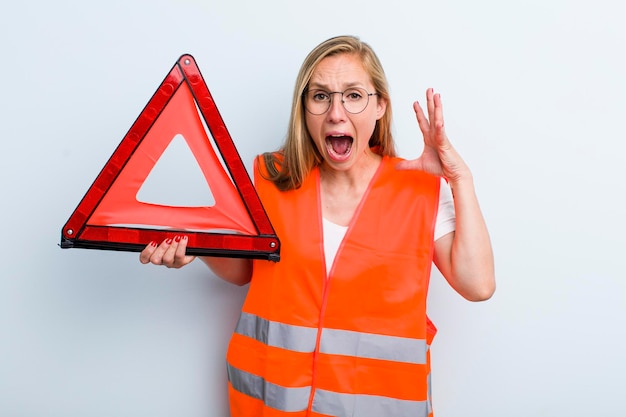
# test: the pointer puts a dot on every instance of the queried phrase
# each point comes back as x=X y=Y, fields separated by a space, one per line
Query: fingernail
x=168 y=241
x=185 y=237
x=177 y=238
x=153 y=243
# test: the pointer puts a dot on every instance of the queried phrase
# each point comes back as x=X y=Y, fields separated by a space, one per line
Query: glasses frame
x=330 y=101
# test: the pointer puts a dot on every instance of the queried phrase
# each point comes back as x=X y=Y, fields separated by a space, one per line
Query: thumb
x=413 y=164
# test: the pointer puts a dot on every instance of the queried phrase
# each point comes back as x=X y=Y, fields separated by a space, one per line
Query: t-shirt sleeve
x=446 y=218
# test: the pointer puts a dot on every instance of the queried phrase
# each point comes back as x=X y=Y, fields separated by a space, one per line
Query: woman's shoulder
x=268 y=159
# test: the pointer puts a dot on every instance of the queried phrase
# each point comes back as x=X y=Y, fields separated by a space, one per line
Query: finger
x=146 y=254
x=413 y=164
x=157 y=255
x=438 y=111
x=181 y=252
x=437 y=124
x=169 y=257
x=430 y=103
x=422 y=121
x=180 y=249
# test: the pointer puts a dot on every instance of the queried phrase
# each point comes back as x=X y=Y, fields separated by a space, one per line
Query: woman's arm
x=464 y=257
x=237 y=271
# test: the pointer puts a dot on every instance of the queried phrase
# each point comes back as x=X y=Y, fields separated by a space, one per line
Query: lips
x=339 y=146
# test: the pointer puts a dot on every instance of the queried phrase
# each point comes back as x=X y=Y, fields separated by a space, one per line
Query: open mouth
x=339 y=146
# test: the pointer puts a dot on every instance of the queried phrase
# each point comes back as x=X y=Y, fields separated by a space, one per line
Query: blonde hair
x=288 y=168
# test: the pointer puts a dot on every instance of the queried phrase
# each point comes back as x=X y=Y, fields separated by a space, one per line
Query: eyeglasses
x=354 y=100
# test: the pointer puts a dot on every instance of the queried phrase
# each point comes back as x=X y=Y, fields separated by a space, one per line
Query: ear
x=381 y=107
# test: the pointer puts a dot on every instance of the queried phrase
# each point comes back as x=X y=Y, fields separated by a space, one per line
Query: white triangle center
x=176 y=179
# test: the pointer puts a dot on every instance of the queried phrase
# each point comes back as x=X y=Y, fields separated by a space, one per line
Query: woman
x=338 y=327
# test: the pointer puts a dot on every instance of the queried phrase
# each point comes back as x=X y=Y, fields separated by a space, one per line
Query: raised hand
x=439 y=157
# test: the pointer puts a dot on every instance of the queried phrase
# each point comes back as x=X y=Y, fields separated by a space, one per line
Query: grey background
x=534 y=99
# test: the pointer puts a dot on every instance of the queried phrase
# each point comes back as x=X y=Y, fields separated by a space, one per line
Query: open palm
x=438 y=157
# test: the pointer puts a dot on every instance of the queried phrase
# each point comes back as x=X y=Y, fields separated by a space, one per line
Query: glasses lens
x=317 y=101
x=355 y=100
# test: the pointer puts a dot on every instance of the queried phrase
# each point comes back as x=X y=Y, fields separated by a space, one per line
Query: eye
x=353 y=94
x=319 y=95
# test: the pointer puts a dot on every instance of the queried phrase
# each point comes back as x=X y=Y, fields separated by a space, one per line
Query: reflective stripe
x=333 y=341
x=430 y=395
x=272 y=333
x=373 y=346
x=345 y=405
x=325 y=402
x=272 y=395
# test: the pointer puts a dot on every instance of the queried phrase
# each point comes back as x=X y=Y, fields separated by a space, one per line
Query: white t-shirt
x=446 y=223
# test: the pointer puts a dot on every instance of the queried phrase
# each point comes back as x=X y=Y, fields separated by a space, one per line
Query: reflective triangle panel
x=110 y=216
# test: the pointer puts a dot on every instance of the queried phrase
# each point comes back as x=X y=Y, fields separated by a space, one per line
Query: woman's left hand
x=438 y=157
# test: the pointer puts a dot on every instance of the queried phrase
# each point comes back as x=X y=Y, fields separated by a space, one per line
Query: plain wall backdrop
x=534 y=98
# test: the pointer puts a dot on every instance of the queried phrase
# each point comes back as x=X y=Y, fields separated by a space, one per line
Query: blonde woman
x=338 y=327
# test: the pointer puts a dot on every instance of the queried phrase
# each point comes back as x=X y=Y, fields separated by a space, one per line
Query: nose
x=336 y=112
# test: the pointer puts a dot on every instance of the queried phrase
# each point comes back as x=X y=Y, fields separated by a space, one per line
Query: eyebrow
x=317 y=85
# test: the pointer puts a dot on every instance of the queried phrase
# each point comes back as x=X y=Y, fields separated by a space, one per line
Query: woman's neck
x=342 y=191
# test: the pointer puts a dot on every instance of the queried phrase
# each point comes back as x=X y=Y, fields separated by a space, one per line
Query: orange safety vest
x=354 y=342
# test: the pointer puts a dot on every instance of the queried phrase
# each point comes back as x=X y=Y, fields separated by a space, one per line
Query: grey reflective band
x=373 y=346
x=333 y=341
x=274 y=396
x=325 y=402
x=430 y=395
x=286 y=336
x=337 y=404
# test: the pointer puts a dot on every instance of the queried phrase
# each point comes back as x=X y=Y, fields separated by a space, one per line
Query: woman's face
x=342 y=137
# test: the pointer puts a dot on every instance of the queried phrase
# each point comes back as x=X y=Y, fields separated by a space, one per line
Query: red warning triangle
x=110 y=216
